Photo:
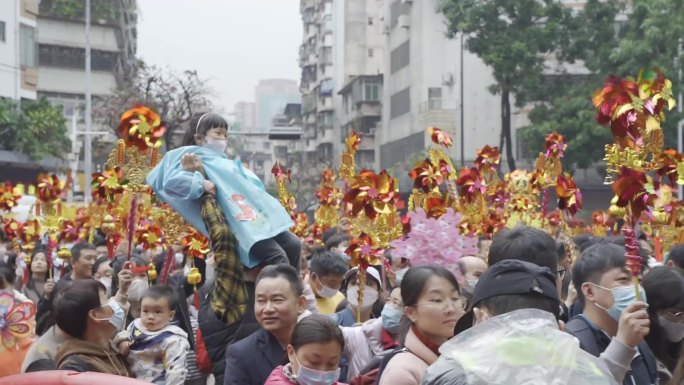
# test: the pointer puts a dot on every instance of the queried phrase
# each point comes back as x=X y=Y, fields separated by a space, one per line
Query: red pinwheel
x=554 y=145
x=440 y=137
x=280 y=173
x=371 y=193
x=634 y=189
x=427 y=177
x=471 y=183
x=142 y=128
x=569 y=196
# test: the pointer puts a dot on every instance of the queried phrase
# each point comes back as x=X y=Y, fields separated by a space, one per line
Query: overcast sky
x=233 y=43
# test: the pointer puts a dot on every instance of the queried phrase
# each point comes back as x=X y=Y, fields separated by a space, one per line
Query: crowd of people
x=527 y=308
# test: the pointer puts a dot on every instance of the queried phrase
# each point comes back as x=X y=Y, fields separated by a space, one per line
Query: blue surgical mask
x=307 y=376
x=623 y=296
x=118 y=320
x=391 y=318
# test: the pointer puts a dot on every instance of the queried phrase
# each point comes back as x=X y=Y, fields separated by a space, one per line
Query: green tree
x=609 y=37
x=34 y=128
x=511 y=37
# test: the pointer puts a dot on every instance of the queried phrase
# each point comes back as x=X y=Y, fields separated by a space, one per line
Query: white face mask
x=370 y=295
x=137 y=289
x=399 y=274
x=179 y=258
x=216 y=145
x=325 y=291
x=107 y=282
x=674 y=331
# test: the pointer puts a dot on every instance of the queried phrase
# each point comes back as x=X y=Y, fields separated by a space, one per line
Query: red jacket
x=277 y=377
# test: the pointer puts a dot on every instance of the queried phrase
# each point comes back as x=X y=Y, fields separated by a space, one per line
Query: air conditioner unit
x=386 y=29
x=448 y=79
x=403 y=21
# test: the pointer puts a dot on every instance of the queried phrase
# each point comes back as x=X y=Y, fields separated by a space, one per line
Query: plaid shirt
x=229 y=297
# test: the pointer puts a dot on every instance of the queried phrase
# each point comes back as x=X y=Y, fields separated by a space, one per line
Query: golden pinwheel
x=142 y=128
x=371 y=194
x=488 y=158
x=440 y=137
x=669 y=162
x=9 y=197
x=363 y=253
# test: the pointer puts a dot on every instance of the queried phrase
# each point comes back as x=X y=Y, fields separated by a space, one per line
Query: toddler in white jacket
x=155 y=350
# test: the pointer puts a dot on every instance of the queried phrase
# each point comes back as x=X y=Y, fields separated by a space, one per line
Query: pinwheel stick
x=361 y=282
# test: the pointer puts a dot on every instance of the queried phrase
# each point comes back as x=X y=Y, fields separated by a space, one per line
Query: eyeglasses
x=459 y=303
x=675 y=317
x=561 y=272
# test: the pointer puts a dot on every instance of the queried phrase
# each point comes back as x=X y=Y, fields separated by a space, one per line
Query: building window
x=400 y=103
x=370 y=52
x=2 y=31
x=70 y=57
x=27 y=46
x=370 y=21
x=267 y=145
x=371 y=90
x=400 y=57
x=326 y=55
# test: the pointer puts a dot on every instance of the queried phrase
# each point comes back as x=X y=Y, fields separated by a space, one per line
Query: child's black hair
x=159 y=292
x=200 y=124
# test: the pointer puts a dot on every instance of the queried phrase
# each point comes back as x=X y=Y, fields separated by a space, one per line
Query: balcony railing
x=101 y=11
x=437 y=104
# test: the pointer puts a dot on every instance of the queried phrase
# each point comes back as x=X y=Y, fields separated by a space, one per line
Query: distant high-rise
x=18 y=51
x=245 y=116
x=270 y=98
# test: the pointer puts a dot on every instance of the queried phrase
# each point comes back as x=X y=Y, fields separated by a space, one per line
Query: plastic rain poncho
x=523 y=347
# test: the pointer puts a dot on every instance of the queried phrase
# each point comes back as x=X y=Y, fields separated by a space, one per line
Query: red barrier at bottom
x=61 y=377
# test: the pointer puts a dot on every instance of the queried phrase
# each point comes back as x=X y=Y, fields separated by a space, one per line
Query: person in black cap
x=517 y=338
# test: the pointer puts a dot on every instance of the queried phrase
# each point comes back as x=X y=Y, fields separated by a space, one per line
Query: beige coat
x=409 y=367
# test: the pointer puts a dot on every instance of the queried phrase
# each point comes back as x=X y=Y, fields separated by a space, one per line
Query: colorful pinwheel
x=471 y=184
x=8 y=197
x=48 y=188
x=109 y=183
x=195 y=244
x=142 y=128
x=15 y=320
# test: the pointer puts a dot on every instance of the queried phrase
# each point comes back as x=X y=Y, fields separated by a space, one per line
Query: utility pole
x=462 y=110
x=87 y=155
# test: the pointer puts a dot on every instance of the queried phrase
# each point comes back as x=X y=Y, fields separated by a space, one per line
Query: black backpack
x=585 y=333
